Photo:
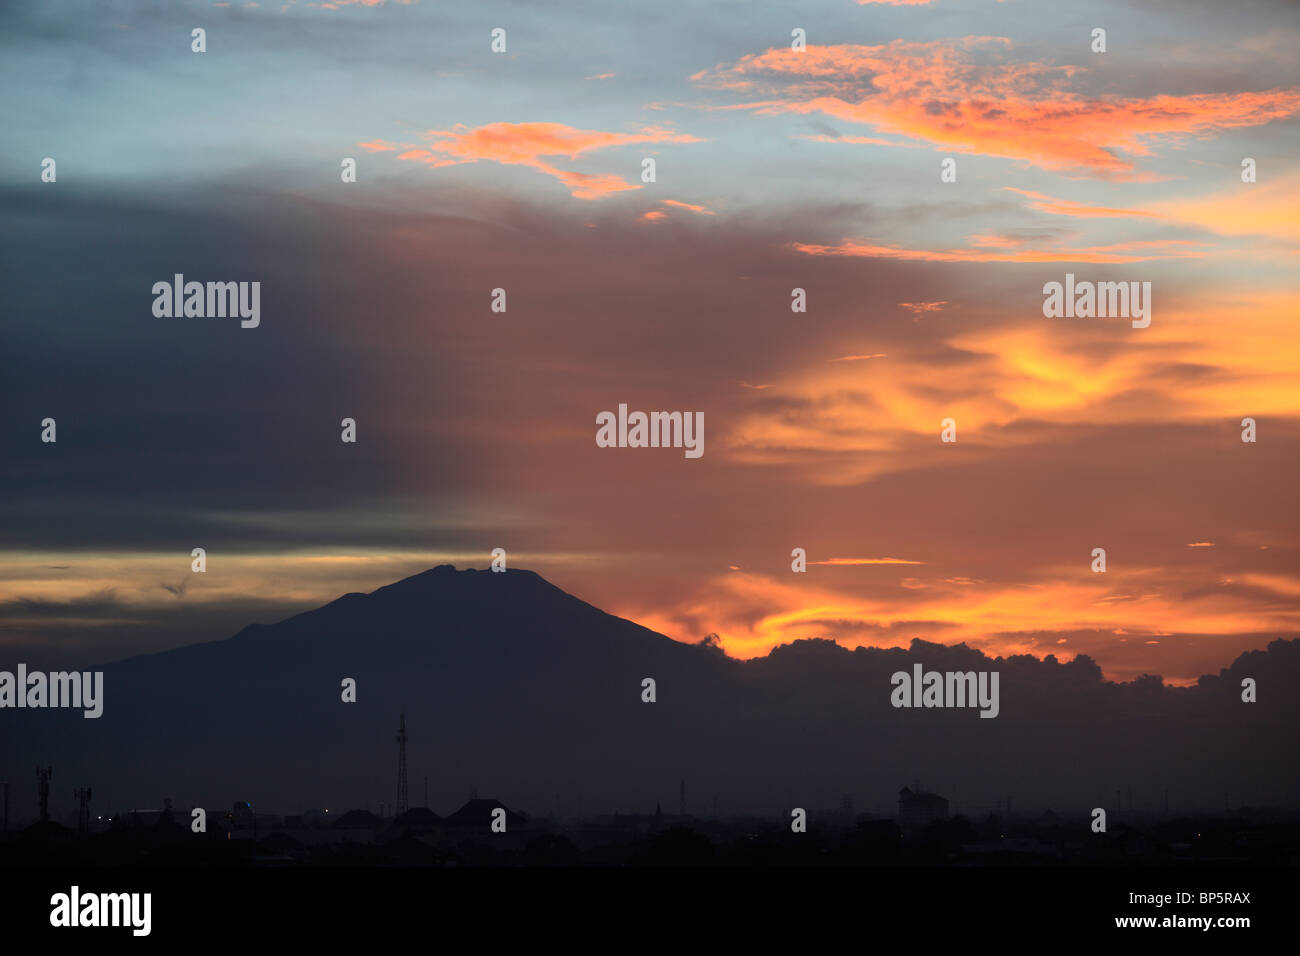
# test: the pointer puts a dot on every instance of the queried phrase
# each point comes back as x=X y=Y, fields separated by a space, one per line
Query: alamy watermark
x=1086 y=300
x=213 y=300
x=652 y=430
x=56 y=689
x=75 y=908
x=946 y=689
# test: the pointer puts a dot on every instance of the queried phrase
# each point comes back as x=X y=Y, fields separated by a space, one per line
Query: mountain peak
x=445 y=579
x=510 y=683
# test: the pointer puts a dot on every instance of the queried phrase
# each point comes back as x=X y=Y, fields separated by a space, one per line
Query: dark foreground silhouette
x=514 y=687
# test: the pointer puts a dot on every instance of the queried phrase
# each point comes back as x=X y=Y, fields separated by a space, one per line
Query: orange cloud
x=961 y=94
x=701 y=210
x=1140 y=251
x=857 y=358
x=1221 y=353
x=1066 y=207
x=856 y=561
x=861 y=140
x=919 y=307
x=378 y=146
x=753 y=613
x=524 y=144
x=655 y=215
x=1270 y=208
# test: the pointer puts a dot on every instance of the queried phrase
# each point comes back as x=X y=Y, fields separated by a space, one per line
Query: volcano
x=515 y=688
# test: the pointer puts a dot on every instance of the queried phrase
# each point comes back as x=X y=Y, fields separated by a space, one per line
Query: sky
x=775 y=169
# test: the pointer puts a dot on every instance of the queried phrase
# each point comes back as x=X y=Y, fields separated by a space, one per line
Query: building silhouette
x=918 y=809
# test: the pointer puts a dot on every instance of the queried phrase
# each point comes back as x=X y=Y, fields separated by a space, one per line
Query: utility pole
x=82 y=795
x=43 y=791
x=402 y=804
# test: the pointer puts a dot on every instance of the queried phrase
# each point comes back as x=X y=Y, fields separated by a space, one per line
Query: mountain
x=522 y=691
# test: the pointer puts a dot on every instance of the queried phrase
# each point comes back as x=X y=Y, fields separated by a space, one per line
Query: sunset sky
x=776 y=169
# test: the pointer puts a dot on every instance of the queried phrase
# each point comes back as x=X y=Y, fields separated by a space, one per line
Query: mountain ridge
x=405 y=586
x=515 y=687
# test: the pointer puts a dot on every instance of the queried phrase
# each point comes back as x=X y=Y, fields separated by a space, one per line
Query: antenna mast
x=402 y=804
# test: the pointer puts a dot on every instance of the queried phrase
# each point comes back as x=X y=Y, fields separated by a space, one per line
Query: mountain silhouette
x=515 y=688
